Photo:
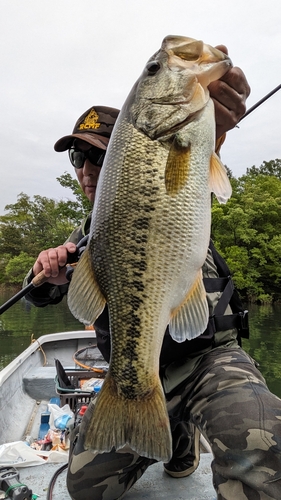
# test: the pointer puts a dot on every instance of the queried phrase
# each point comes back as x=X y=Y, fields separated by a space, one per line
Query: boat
x=30 y=384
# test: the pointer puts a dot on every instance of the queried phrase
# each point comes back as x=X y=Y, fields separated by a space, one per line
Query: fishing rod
x=261 y=101
x=40 y=278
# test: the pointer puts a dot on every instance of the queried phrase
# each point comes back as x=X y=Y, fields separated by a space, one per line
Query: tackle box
x=77 y=395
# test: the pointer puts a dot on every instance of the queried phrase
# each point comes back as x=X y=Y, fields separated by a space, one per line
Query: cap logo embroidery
x=90 y=121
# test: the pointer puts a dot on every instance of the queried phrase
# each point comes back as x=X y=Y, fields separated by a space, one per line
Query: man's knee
x=104 y=476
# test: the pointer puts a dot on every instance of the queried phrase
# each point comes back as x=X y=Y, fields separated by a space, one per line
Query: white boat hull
x=26 y=386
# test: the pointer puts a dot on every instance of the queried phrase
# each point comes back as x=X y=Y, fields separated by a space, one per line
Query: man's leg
x=231 y=405
x=105 y=476
x=186 y=450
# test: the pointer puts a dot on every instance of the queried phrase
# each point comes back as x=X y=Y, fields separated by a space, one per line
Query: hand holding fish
x=229 y=95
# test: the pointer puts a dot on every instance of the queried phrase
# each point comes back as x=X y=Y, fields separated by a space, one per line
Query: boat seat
x=39 y=383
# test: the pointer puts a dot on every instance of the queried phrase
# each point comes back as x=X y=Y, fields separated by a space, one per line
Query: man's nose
x=89 y=168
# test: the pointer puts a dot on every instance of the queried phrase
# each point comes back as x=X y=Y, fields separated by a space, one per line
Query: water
x=22 y=322
x=264 y=344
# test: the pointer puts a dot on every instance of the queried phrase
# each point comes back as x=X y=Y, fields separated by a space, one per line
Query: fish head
x=174 y=85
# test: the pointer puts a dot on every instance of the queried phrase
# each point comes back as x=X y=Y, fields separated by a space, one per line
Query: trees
x=272 y=167
x=82 y=206
x=247 y=231
x=31 y=225
x=17 y=267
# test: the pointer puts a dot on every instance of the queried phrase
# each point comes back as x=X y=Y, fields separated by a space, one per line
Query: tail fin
x=141 y=423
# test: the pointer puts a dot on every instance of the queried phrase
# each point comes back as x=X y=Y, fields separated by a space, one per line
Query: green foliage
x=272 y=167
x=31 y=225
x=34 y=225
x=247 y=231
x=17 y=267
x=82 y=206
x=4 y=259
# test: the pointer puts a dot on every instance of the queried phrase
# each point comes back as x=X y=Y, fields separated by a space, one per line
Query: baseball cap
x=94 y=126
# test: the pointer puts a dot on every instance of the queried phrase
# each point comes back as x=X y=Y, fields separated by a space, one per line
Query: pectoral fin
x=190 y=319
x=84 y=298
x=219 y=182
x=177 y=168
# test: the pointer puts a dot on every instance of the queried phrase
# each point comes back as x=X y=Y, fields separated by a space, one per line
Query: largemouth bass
x=149 y=238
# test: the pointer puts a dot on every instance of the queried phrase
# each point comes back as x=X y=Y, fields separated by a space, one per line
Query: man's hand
x=52 y=262
x=229 y=95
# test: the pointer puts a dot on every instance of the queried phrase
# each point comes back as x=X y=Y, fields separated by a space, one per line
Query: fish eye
x=153 y=67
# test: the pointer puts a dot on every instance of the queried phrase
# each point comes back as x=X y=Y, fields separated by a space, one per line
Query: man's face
x=89 y=173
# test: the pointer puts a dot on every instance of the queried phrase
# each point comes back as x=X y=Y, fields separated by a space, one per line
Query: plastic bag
x=19 y=454
x=59 y=417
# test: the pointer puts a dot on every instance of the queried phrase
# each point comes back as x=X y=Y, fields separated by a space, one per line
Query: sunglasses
x=94 y=155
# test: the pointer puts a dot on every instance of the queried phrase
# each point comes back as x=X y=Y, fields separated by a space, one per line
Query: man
x=211 y=384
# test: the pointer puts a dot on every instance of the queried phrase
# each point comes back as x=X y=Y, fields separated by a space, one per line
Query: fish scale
x=149 y=238
x=126 y=316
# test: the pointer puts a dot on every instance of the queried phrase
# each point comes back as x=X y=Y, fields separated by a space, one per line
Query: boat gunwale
x=6 y=372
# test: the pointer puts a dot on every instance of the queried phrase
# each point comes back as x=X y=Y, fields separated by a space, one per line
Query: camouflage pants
x=227 y=399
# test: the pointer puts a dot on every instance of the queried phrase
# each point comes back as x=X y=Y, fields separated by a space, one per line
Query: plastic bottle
x=98 y=385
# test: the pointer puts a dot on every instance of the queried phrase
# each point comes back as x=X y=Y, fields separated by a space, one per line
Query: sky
x=60 y=57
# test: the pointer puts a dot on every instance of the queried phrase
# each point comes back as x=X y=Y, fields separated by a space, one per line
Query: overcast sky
x=60 y=57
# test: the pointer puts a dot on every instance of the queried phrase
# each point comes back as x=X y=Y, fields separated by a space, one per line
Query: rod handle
x=39 y=279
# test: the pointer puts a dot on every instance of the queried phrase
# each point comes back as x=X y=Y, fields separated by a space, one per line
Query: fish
x=148 y=240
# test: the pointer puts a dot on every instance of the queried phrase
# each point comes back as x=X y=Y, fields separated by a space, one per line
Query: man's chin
x=90 y=192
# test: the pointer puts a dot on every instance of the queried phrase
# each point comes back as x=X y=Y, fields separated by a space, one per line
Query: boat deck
x=26 y=387
x=155 y=484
